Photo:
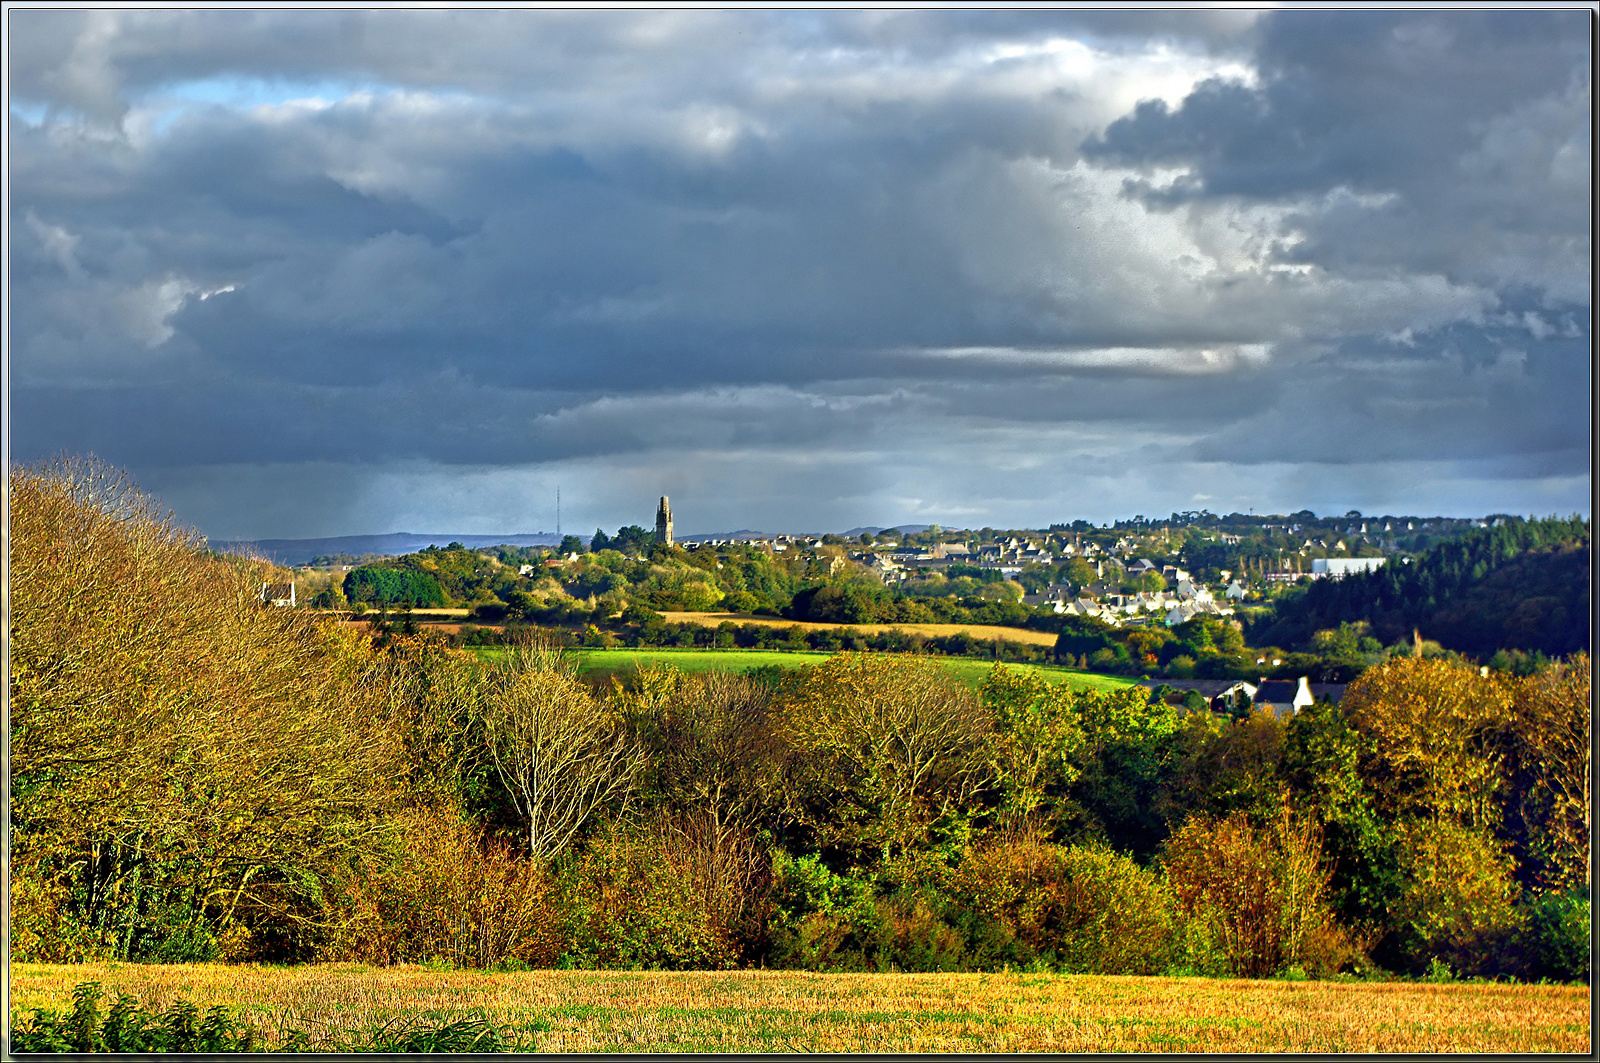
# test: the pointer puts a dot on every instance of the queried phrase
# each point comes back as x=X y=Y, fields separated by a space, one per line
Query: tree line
x=1516 y=585
x=199 y=776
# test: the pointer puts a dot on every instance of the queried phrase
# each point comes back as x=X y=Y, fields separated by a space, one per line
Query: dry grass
x=981 y=632
x=769 y=1011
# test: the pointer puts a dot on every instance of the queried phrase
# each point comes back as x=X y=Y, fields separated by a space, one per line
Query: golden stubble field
x=772 y=1011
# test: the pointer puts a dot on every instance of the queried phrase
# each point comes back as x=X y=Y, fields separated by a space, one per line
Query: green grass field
x=971 y=670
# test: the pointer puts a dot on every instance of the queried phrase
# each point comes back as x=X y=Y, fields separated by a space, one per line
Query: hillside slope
x=1521 y=585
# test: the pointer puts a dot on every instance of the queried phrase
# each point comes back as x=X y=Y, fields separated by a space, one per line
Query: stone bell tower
x=664 y=522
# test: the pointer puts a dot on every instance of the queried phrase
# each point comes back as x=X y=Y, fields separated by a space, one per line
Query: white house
x=1282 y=697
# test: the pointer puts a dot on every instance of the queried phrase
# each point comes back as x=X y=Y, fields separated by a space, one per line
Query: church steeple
x=664 y=522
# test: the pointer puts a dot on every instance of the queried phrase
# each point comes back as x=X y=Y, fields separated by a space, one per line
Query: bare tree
x=559 y=752
x=890 y=744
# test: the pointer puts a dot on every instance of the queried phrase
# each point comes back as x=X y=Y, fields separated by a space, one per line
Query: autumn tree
x=1440 y=732
x=887 y=745
x=188 y=764
x=714 y=774
x=1458 y=904
x=1554 y=761
x=1256 y=889
x=1438 y=728
x=559 y=752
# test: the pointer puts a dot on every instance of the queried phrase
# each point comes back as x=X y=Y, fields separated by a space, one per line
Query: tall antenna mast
x=558 y=511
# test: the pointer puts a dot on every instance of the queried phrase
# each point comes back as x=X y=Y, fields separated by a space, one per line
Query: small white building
x=1283 y=697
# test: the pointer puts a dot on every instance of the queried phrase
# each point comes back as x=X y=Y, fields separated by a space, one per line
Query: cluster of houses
x=777 y=543
x=1007 y=557
x=1187 y=599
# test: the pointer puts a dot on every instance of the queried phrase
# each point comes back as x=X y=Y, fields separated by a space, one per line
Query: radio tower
x=558 y=512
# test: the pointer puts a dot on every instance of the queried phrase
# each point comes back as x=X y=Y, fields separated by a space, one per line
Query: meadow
x=971 y=671
x=771 y=1011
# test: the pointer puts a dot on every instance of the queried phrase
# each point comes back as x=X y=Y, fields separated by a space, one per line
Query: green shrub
x=1557 y=938
x=1084 y=909
x=822 y=920
x=629 y=904
x=128 y=1028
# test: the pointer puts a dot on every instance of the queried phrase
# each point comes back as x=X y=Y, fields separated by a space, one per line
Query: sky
x=337 y=272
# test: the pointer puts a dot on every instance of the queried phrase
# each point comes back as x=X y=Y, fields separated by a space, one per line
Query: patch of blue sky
x=29 y=112
x=239 y=93
x=231 y=90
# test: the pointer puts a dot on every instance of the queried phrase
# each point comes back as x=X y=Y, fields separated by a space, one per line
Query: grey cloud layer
x=532 y=237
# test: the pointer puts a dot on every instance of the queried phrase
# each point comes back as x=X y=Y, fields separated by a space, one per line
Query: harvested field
x=771 y=1011
x=980 y=632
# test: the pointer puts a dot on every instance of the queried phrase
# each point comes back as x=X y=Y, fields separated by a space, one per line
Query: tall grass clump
x=127 y=1027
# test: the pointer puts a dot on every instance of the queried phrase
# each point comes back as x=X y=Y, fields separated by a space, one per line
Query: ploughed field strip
x=780 y=1011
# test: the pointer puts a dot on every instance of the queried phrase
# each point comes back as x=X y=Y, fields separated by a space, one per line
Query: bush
x=1085 y=909
x=822 y=920
x=1459 y=900
x=1257 y=895
x=627 y=903
x=449 y=894
x=1558 y=937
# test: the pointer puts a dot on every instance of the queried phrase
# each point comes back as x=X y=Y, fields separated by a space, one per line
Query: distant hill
x=1521 y=585
x=903 y=529
x=300 y=551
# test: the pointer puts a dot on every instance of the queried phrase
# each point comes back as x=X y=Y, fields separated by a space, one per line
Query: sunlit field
x=769 y=1011
x=970 y=670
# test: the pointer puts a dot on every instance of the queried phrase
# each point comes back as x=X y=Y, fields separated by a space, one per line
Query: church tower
x=664 y=522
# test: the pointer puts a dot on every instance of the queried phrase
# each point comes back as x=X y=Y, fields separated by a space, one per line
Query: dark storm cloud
x=1368 y=100
x=1471 y=130
x=898 y=249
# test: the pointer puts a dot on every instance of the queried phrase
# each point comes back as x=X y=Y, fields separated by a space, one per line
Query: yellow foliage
x=1440 y=728
x=439 y=890
x=1459 y=889
x=1259 y=891
x=164 y=719
x=1553 y=727
x=893 y=741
